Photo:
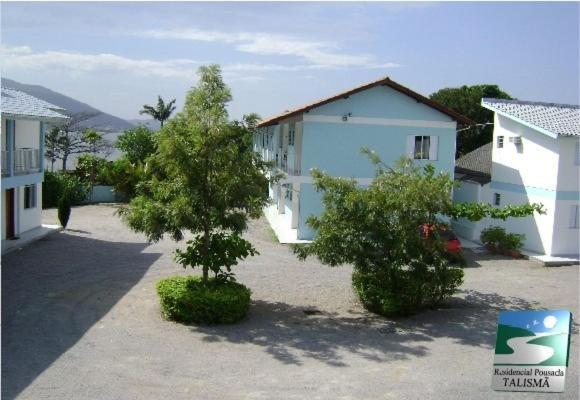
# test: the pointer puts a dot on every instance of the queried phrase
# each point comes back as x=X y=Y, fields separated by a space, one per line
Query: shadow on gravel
x=53 y=291
x=290 y=333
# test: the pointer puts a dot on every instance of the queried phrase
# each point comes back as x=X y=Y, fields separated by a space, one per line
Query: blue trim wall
x=336 y=148
x=381 y=102
x=537 y=192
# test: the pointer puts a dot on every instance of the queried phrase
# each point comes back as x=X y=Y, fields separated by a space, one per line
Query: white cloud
x=23 y=57
x=319 y=55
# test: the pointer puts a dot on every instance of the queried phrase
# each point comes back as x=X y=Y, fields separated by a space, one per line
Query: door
x=10 y=210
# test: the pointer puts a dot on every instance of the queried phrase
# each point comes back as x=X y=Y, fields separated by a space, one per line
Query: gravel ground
x=80 y=320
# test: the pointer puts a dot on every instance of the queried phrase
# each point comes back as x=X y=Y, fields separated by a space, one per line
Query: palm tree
x=160 y=113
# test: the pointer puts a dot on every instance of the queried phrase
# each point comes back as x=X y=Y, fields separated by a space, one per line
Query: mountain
x=101 y=121
x=151 y=124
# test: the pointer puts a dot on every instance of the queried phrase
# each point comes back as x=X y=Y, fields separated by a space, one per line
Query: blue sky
x=534 y=320
x=276 y=56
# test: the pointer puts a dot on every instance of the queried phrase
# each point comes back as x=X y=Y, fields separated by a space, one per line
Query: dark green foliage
x=161 y=112
x=57 y=183
x=187 y=299
x=64 y=209
x=137 y=144
x=498 y=239
x=466 y=100
x=397 y=291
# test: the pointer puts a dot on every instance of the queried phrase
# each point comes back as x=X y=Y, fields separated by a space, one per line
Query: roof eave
x=520 y=121
x=382 y=82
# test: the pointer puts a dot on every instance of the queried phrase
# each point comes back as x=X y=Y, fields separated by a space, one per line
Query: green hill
x=505 y=332
x=560 y=345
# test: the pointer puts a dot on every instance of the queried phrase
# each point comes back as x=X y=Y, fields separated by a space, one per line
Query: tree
x=70 y=138
x=137 y=144
x=53 y=146
x=160 y=113
x=95 y=143
x=379 y=230
x=466 y=100
x=203 y=178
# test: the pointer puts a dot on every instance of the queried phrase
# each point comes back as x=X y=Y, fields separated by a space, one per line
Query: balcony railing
x=25 y=161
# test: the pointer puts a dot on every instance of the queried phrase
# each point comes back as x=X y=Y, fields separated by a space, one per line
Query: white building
x=24 y=121
x=534 y=158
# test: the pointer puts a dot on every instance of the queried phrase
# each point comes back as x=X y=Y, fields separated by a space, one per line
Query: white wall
x=568 y=168
x=32 y=217
x=566 y=238
x=533 y=163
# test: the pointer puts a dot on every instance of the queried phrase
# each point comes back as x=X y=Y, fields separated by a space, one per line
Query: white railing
x=26 y=161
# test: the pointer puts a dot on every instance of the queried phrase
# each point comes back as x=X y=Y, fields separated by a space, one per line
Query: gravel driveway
x=80 y=320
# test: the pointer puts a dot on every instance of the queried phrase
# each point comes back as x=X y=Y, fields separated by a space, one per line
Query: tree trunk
x=205 y=279
x=64 y=159
x=161 y=123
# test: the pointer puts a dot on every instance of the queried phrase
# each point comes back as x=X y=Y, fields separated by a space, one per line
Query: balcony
x=22 y=161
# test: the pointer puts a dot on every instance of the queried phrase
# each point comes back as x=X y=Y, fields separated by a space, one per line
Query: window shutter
x=411 y=146
x=433 y=147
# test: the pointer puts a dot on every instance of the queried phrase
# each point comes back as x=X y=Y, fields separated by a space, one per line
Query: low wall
x=104 y=194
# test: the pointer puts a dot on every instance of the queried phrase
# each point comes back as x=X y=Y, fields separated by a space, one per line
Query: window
x=575 y=217
x=500 y=142
x=578 y=152
x=422 y=144
x=291 y=134
x=496 y=199
x=30 y=196
x=288 y=191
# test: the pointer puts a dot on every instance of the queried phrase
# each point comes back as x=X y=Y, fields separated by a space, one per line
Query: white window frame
x=31 y=203
x=427 y=155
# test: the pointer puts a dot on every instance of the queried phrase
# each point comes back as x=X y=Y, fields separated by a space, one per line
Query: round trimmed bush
x=186 y=299
x=399 y=292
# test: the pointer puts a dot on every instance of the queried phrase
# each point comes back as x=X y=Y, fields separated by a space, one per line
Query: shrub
x=124 y=176
x=55 y=184
x=64 y=210
x=398 y=292
x=499 y=240
x=186 y=299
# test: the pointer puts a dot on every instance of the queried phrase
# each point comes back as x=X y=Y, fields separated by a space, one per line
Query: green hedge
x=401 y=292
x=56 y=183
x=498 y=239
x=185 y=299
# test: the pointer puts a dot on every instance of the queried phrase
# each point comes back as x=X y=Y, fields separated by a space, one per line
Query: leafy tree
x=137 y=144
x=90 y=169
x=466 y=100
x=378 y=229
x=161 y=112
x=95 y=143
x=52 y=146
x=204 y=178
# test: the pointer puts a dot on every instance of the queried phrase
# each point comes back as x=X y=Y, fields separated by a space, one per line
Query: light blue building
x=24 y=122
x=383 y=115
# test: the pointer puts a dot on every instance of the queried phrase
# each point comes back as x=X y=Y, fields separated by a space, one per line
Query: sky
x=277 y=56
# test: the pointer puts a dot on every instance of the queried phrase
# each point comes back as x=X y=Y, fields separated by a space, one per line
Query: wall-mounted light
x=346 y=116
